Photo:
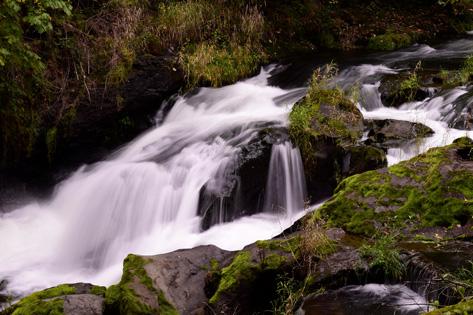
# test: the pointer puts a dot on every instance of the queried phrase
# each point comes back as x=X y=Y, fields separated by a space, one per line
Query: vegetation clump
x=383 y=254
x=458 y=77
x=409 y=87
x=389 y=41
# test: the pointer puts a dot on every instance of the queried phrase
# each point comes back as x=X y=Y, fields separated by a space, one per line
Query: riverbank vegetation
x=62 y=61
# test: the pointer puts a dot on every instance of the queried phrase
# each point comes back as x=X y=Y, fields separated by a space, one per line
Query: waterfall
x=285 y=189
x=144 y=199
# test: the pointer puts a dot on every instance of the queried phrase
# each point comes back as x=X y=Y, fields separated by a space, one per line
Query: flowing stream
x=145 y=198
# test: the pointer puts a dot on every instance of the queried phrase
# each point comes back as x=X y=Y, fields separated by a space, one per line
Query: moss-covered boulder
x=68 y=299
x=389 y=41
x=135 y=294
x=462 y=308
x=248 y=282
x=326 y=125
x=389 y=133
x=433 y=189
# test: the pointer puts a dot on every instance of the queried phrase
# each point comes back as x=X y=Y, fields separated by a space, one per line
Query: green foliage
x=384 y=254
x=16 y=18
x=51 y=143
x=22 y=69
x=289 y=292
x=458 y=77
x=409 y=87
x=389 y=41
x=220 y=43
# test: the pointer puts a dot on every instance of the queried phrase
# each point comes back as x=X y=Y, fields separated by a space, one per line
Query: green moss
x=462 y=308
x=241 y=269
x=46 y=302
x=122 y=299
x=423 y=191
x=98 y=290
x=288 y=245
x=273 y=262
x=389 y=41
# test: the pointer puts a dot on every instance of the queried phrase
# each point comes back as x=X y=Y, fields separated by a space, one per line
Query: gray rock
x=83 y=304
x=181 y=275
x=390 y=133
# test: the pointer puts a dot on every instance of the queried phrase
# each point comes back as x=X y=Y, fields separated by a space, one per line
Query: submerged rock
x=391 y=133
x=373 y=299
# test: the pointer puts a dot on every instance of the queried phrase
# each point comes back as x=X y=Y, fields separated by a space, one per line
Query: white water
x=285 y=190
x=145 y=199
x=438 y=111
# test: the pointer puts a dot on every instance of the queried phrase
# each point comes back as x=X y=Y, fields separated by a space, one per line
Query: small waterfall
x=286 y=189
x=370 y=97
x=145 y=198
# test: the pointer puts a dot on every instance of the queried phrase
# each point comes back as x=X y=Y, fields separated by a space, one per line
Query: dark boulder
x=394 y=93
x=182 y=275
x=242 y=185
x=391 y=133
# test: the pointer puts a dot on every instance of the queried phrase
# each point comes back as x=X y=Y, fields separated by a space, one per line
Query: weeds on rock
x=383 y=254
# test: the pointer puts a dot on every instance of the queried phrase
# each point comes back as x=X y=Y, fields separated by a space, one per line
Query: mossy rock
x=433 y=189
x=52 y=301
x=326 y=126
x=248 y=283
x=135 y=293
x=390 y=41
x=462 y=308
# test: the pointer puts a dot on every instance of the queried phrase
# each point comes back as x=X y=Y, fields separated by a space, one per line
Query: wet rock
x=343 y=267
x=83 y=304
x=394 y=95
x=239 y=189
x=373 y=299
x=391 y=133
x=182 y=275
